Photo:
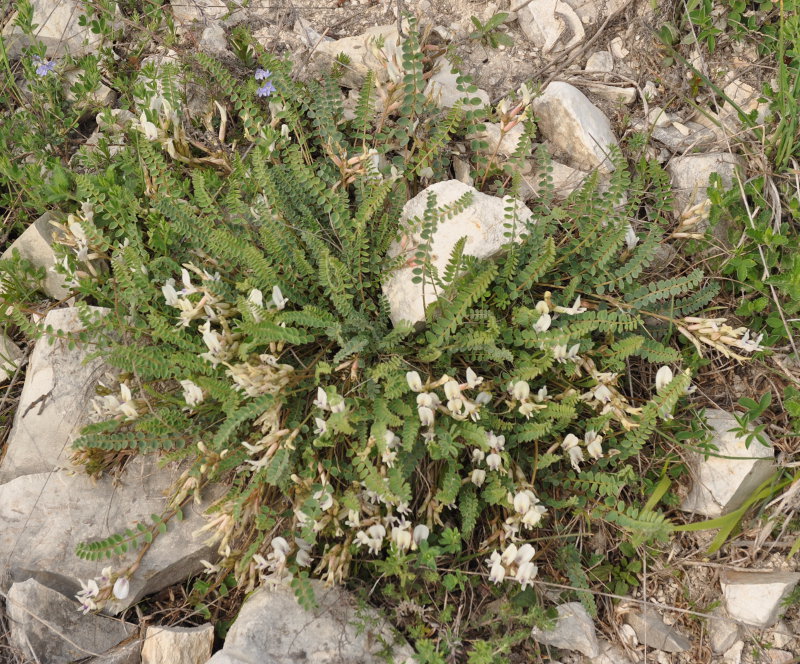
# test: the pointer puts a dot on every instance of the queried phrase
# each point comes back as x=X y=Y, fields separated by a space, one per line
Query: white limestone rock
x=600 y=61
x=746 y=97
x=128 y=653
x=482 y=222
x=363 y=54
x=191 y=13
x=501 y=144
x=10 y=355
x=596 y=11
x=575 y=126
x=54 y=403
x=213 y=39
x=722 y=634
x=565 y=180
x=574 y=630
x=755 y=597
x=46 y=515
x=58 y=28
x=689 y=175
x=272 y=627
x=36 y=245
x=721 y=484
x=733 y=655
x=613 y=93
x=443 y=90
x=653 y=632
x=91 y=633
x=178 y=645
x=551 y=25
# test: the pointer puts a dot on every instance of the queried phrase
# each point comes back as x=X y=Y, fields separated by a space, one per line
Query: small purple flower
x=262 y=74
x=266 y=90
x=43 y=68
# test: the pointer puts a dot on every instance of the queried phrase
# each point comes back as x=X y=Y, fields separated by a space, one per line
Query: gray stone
x=746 y=98
x=58 y=29
x=565 y=181
x=272 y=627
x=781 y=636
x=594 y=11
x=755 y=597
x=482 y=222
x=36 y=245
x=53 y=405
x=551 y=25
x=574 y=630
x=363 y=55
x=652 y=631
x=91 y=634
x=443 y=90
x=130 y=653
x=613 y=93
x=610 y=654
x=721 y=483
x=178 y=645
x=600 y=61
x=697 y=137
x=733 y=655
x=689 y=176
x=499 y=143
x=46 y=515
x=189 y=13
x=10 y=354
x=722 y=634
x=213 y=39
x=780 y=657
x=575 y=126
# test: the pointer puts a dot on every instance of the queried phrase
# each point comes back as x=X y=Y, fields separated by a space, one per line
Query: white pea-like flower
x=483 y=398
x=522 y=502
x=402 y=538
x=494 y=461
x=278 y=300
x=509 y=554
x=321 y=401
x=543 y=324
x=280 y=547
x=525 y=554
x=575 y=457
x=520 y=390
x=478 y=477
x=594 y=445
x=497 y=572
x=478 y=455
x=425 y=416
x=414 y=381
x=496 y=442
x=452 y=390
x=526 y=573
x=664 y=377
x=472 y=378
x=570 y=441
x=320 y=426
x=170 y=294
x=122 y=587
x=192 y=394
x=533 y=517
x=421 y=533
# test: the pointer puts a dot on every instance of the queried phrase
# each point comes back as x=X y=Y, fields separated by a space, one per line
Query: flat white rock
x=178 y=645
x=54 y=403
x=482 y=223
x=58 y=28
x=272 y=627
x=722 y=634
x=36 y=245
x=721 y=483
x=689 y=175
x=551 y=25
x=593 y=11
x=755 y=597
x=443 y=90
x=92 y=633
x=576 y=127
x=652 y=631
x=10 y=355
x=574 y=630
x=46 y=515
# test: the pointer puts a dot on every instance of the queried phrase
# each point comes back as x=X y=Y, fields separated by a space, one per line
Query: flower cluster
x=112 y=406
x=96 y=593
x=267 y=88
x=716 y=332
x=273 y=567
x=516 y=563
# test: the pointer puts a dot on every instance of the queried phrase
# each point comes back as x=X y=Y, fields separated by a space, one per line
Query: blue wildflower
x=262 y=74
x=266 y=90
x=43 y=68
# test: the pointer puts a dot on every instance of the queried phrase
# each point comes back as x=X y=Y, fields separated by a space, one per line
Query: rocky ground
x=601 y=66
